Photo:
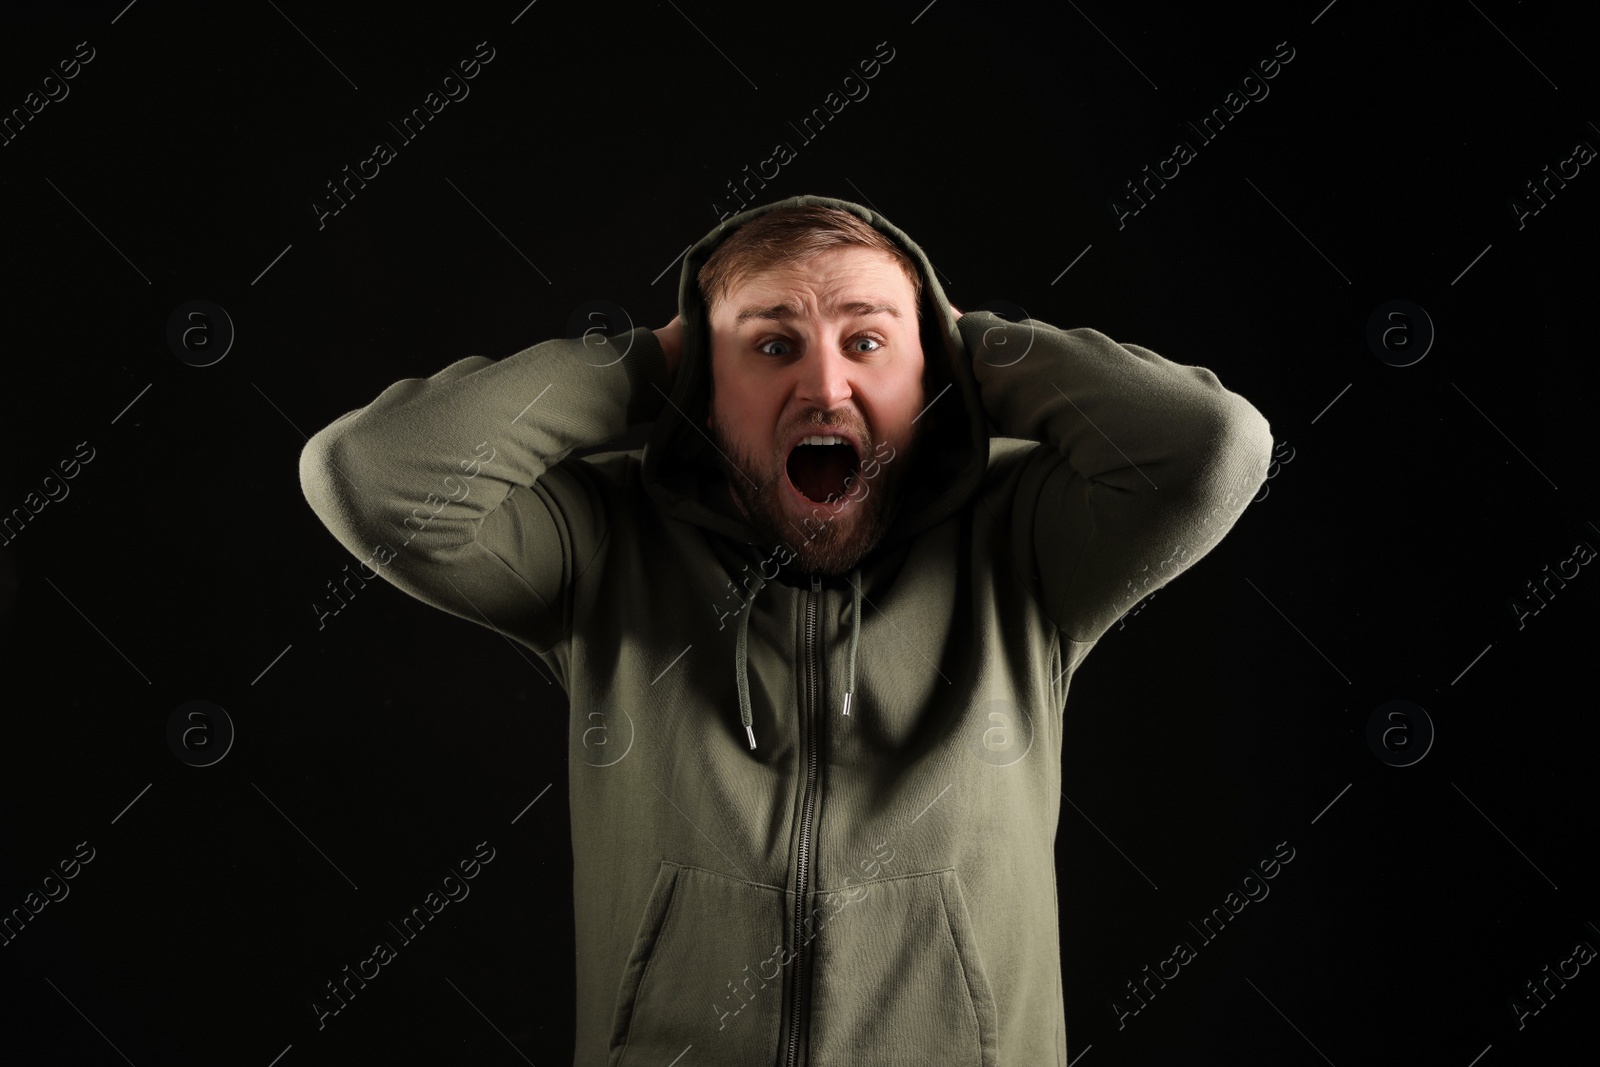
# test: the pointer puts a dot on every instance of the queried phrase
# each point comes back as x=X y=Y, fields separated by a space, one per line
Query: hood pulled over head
x=682 y=471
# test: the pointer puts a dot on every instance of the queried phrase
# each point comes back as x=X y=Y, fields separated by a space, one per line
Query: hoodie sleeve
x=1144 y=463
x=454 y=485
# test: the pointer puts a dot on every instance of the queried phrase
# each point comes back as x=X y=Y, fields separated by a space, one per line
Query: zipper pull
x=816 y=582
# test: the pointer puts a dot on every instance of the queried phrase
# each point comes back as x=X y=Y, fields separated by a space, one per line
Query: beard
x=829 y=538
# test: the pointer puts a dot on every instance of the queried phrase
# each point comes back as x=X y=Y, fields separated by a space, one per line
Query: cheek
x=737 y=424
x=904 y=399
x=747 y=415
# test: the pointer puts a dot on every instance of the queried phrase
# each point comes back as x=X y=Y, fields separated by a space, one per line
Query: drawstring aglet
x=752 y=735
x=847 y=703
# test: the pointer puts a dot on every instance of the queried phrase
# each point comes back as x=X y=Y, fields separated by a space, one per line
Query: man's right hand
x=671 y=338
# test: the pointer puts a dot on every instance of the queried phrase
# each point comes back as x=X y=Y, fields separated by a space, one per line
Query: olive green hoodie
x=813 y=818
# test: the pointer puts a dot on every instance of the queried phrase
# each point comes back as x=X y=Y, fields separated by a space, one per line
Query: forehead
x=841 y=281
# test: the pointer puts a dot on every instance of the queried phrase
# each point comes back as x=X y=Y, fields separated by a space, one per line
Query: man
x=827 y=384
x=816 y=636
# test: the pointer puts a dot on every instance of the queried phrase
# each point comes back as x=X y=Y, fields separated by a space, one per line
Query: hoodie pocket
x=703 y=972
x=898 y=979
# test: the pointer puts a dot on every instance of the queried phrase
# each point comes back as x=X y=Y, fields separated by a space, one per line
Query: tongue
x=819 y=471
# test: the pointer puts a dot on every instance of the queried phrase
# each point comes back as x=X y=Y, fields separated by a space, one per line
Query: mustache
x=818 y=421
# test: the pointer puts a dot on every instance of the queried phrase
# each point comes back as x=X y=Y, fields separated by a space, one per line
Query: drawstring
x=739 y=662
x=741 y=656
x=855 y=632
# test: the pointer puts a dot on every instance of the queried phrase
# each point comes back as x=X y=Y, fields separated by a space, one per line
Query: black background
x=1409 y=505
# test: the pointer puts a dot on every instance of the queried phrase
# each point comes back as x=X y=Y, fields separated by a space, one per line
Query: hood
x=683 y=476
x=680 y=466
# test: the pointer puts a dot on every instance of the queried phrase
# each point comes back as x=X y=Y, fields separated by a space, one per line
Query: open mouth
x=821 y=472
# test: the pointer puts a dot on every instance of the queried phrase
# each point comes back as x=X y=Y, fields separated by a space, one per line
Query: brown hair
x=790 y=235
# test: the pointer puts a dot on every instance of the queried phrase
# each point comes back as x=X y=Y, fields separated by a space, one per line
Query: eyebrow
x=782 y=312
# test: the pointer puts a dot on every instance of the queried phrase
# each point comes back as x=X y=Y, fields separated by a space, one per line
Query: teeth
x=823 y=441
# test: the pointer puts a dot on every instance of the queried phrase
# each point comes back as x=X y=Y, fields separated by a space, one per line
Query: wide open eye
x=875 y=341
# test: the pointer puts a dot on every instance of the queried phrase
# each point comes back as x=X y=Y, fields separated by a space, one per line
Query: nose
x=825 y=377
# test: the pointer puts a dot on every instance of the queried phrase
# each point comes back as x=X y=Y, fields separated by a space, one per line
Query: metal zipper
x=803 y=855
